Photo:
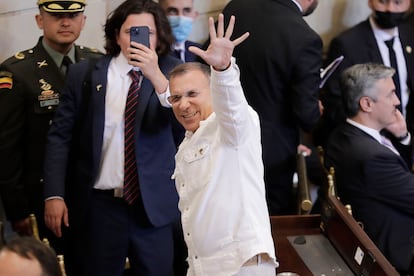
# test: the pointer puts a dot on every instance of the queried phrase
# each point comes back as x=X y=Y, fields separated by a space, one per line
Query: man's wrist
x=222 y=69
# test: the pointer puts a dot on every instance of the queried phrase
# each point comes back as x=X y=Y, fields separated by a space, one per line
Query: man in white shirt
x=219 y=167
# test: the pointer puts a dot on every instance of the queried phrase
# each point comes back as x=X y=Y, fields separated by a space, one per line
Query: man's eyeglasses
x=175 y=99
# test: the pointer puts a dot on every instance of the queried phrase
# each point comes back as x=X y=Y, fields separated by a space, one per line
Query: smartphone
x=140 y=34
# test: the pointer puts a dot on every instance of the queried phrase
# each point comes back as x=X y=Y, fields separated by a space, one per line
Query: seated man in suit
x=181 y=14
x=371 y=172
x=384 y=28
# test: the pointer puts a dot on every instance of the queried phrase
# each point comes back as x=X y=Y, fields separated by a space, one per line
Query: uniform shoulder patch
x=6 y=80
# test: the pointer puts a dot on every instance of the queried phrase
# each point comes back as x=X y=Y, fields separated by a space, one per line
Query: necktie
x=65 y=65
x=386 y=142
x=178 y=53
x=130 y=166
x=393 y=63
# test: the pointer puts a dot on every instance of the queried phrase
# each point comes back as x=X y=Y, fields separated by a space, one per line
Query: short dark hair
x=358 y=81
x=117 y=17
x=183 y=68
x=33 y=249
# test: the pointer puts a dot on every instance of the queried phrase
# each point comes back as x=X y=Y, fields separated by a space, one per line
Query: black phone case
x=140 y=34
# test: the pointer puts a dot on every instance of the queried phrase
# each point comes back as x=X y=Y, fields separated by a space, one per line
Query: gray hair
x=358 y=81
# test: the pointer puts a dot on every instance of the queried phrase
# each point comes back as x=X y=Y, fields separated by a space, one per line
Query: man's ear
x=365 y=103
x=39 y=21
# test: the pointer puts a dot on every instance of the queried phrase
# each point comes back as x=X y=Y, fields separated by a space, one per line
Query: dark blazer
x=358 y=45
x=380 y=188
x=76 y=136
x=27 y=107
x=279 y=65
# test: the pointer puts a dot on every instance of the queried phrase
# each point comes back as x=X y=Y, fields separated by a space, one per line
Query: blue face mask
x=181 y=27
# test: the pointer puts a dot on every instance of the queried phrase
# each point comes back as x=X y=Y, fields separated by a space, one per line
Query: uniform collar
x=58 y=57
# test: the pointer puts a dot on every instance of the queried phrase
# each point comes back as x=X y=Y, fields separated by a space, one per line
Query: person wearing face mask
x=181 y=15
x=367 y=42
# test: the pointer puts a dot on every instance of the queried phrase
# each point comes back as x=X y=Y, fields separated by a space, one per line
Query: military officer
x=30 y=88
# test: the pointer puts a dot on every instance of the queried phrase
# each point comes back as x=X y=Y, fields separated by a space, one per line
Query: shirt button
x=41 y=180
x=188 y=234
x=196 y=257
x=50 y=122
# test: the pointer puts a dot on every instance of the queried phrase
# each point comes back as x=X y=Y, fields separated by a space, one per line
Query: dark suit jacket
x=380 y=188
x=279 y=65
x=25 y=116
x=76 y=136
x=358 y=45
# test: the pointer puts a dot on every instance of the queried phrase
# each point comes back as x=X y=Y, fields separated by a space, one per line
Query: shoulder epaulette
x=89 y=49
x=19 y=56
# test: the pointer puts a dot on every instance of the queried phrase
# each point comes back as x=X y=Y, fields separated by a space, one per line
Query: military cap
x=62 y=6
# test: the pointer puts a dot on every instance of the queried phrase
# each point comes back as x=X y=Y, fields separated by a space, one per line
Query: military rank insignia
x=6 y=80
x=47 y=98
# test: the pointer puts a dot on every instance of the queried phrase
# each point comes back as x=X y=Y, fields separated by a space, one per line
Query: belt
x=258 y=259
x=111 y=192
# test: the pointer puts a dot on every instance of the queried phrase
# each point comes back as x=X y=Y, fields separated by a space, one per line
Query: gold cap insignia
x=62 y=6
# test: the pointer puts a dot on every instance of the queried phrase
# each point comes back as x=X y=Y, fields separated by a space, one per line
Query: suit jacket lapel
x=407 y=45
x=97 y=104
x=143 y=99
x=371 y=44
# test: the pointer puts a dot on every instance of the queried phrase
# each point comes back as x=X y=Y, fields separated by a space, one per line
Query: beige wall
x=19 y=31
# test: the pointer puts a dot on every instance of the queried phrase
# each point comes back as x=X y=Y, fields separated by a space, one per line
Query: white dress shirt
x=219 y=178
x=381 y=36
x=111 y=171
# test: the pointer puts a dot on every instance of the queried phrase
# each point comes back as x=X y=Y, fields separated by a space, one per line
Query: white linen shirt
x=219 y=178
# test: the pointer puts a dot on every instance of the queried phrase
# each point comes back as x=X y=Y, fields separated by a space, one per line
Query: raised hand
x=220 y=50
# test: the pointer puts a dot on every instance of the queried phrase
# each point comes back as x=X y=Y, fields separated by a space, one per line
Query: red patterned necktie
x=131 y=190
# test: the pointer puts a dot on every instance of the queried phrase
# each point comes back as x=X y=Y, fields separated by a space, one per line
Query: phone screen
x=140 y=34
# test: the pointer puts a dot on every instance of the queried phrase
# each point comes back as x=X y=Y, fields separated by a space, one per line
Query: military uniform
x=30 y=87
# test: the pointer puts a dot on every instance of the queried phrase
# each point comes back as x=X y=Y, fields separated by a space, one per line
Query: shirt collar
x=179 y=46
x=189 y=134
x=370 y=131
x=58 y=57
x=121 y=64
x=299 y=6
x=382 y=34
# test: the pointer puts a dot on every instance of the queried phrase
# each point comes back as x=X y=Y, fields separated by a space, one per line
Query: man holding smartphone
x=30 y=88
x=116 y=130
